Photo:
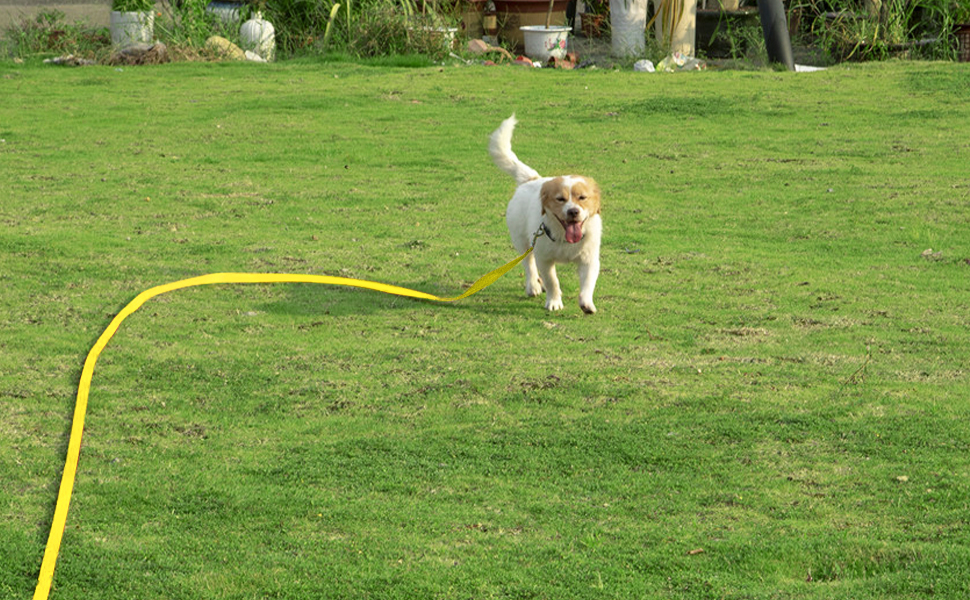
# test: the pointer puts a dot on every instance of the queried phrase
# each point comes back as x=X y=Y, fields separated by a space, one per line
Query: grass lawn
x=773 y=400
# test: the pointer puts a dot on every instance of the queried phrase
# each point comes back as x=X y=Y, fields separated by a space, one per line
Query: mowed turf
x=772 y=401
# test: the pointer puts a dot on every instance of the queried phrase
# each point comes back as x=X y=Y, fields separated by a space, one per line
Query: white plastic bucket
x=129 y=28
x=628 y=24
x=543 y=43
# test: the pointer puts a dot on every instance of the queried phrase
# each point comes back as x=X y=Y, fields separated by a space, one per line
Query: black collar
x=546 y=231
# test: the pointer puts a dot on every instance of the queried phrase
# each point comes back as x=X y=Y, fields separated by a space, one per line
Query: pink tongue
x=574 y=232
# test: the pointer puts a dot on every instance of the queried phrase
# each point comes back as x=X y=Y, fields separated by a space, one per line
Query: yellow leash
x=59 y=521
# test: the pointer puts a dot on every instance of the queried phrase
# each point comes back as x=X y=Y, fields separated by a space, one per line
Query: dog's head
x=572 y=200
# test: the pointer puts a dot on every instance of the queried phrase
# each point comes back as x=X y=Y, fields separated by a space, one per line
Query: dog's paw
x=587 y=307
x=533 y=288
x=554 y=304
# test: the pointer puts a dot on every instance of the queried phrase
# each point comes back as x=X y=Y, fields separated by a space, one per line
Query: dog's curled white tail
x=500 y=147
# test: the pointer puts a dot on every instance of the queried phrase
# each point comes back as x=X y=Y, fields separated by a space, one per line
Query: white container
x=129 y=28
x=543 y=43
x=259 y=36
x=448 y=36
x=628 y=24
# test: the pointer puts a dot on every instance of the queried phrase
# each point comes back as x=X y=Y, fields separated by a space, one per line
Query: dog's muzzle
x=573 y=230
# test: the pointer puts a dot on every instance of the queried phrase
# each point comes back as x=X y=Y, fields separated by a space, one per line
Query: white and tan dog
x=567 y=211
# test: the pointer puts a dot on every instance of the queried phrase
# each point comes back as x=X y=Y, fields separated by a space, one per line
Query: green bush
x=857 y=30
x=368 y=28
x=187 y=24
x=300 y=24
x=383 y=33
x=960 y=11
x=47 y=33
x=133 y=5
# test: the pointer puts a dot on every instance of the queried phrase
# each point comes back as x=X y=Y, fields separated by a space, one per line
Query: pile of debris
x=140 y=54
x=495 y=55
x=157 y=53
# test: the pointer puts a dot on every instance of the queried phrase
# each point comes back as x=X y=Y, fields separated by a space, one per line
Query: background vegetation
x=878 y=29
x=365 y=29
x=830 y=31
x=770 y=403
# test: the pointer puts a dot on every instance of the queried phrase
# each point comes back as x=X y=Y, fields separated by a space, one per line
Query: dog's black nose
x=573 y=213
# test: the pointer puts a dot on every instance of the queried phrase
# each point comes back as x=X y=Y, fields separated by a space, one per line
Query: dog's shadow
x=309 y=300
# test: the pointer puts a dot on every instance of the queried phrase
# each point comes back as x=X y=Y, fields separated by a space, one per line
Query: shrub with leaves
x=856 y=30
x=186 y=23
x=388 y=33
x=300 y=24
x=48 y=33
x=133 y=5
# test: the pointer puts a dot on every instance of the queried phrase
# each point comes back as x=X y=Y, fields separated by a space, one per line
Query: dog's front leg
x=533 y=287
x=547 y=272
x=587 y=282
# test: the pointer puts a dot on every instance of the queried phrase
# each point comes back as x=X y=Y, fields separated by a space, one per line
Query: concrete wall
x=93 y=12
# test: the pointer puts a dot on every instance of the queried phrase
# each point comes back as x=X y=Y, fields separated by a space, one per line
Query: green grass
x=777 y=375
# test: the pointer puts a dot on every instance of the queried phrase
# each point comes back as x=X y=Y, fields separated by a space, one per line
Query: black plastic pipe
x=774 y=24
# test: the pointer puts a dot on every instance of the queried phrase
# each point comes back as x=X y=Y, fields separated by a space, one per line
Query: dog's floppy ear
x=549 y=191
x=593 y=196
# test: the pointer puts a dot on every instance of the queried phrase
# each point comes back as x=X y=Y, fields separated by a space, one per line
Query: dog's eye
x=560 y=198
x=582 y=198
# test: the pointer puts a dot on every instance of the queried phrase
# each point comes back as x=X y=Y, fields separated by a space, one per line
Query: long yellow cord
x=59 y=521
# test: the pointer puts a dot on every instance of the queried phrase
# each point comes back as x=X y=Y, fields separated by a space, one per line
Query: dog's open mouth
x=574 y=230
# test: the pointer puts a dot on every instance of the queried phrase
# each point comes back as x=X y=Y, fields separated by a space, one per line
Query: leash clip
x=542 y=231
